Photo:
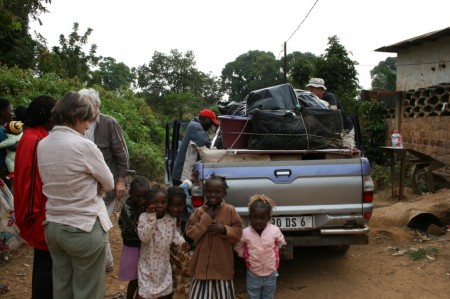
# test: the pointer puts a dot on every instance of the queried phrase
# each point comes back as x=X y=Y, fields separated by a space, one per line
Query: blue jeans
x=261 y=287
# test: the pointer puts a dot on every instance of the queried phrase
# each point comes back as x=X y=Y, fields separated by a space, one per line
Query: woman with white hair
x=106 y=133
x=74 y=174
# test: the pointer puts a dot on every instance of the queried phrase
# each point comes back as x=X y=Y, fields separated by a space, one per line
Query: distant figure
x=20 y=113
x=6 y=115
x=106 y=133
x=14 y=133
x=197 y=133
x=29 y=200
x=317 y=87
x=259 y=246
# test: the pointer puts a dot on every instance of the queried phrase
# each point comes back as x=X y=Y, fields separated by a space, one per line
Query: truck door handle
x=282 y=172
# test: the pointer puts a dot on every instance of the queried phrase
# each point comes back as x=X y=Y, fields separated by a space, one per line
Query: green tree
x=173 y=73
x=17 y=47
x=301 y=67
x=167 y=79
x=251 y=71
x=384 y=75
x=339 y=72
x=212 y=90
x=68 y=60
x=112 y=75
x=182 y=105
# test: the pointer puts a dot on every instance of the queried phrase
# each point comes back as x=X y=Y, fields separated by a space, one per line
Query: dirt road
x=382 y=269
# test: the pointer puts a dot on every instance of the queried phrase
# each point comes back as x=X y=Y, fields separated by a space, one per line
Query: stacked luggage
x=278 y=118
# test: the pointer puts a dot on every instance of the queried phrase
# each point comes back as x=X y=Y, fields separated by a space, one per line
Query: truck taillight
x=367 y=215
x=367 y=195
x=197 y=197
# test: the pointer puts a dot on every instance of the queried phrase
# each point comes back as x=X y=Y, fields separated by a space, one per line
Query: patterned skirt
x=179 y=260
x=212 y=289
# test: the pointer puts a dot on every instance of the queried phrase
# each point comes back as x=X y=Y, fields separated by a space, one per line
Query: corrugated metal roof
x=416 y=41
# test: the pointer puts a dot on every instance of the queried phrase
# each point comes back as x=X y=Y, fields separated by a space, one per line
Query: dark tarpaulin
x=280 y=97
x=285 y=130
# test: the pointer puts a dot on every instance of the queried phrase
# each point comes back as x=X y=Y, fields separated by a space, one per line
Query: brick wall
x=422 y=116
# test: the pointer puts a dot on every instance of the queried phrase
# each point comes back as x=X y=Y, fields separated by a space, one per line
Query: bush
x=144 y=135
x=380 y=176
x=373 y=130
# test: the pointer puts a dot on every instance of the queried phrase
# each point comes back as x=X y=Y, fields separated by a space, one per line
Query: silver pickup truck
x=323 y=197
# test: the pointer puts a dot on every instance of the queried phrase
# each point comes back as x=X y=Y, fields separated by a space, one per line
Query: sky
x=220 y=31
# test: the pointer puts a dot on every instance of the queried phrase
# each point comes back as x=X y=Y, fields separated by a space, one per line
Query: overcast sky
x=219 y=31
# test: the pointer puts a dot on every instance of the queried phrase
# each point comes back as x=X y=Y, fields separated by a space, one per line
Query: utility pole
x=285 y=63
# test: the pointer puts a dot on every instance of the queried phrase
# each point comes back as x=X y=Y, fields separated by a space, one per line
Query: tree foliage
x=69 y=59
x=112 y=75
x=182 y=105
x=373 y=130
x=384 y=75
x=17 y=47
x=171 y=83
x=142 y=130
x=301 y=67
x=339 y=72
x=251 y=71
x=173 y=73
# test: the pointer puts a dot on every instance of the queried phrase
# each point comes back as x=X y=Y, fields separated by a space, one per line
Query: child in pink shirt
x=259 y=247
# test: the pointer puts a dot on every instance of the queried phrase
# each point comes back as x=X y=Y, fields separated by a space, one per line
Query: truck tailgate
x=298 y=187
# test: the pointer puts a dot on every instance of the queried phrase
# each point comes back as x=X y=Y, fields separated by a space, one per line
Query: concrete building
x=422 y=61
x=420 y=108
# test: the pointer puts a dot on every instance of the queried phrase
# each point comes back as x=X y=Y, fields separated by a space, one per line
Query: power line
x=279 y=54
x=302 y=21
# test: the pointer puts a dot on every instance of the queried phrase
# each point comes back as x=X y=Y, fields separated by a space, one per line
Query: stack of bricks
x=429 y=102
x=425 y=121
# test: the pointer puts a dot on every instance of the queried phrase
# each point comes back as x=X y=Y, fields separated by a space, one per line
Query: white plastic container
x=396 y=139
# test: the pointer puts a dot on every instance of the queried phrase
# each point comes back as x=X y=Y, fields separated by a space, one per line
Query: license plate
x=293 y=223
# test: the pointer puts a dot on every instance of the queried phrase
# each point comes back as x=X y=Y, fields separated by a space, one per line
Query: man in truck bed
x=317 y=87
x=197 y=133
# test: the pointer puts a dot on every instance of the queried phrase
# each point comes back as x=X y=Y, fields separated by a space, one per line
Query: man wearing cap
x=197 y=133
x=317 y=87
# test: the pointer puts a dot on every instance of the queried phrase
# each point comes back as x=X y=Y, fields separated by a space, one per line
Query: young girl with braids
x=215 y=227
x=157 y=230
x=259 y=247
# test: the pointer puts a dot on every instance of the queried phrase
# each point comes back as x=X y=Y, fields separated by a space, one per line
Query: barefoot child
x=259 y=247
x=128 y=224
x=157 y=231
x=179 y=258
x=215 y=227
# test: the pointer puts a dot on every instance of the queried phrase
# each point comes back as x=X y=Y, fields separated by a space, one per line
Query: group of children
x=159 y=229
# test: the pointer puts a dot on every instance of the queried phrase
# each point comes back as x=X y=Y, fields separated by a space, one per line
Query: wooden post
x=398 y=110
x=285 y=62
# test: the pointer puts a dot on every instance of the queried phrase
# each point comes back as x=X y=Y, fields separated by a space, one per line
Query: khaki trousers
x=79 y=259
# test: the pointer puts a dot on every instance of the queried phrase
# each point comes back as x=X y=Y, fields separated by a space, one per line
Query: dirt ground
x=381 y=269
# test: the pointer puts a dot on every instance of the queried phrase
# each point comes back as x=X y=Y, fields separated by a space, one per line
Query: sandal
x=3 y=289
